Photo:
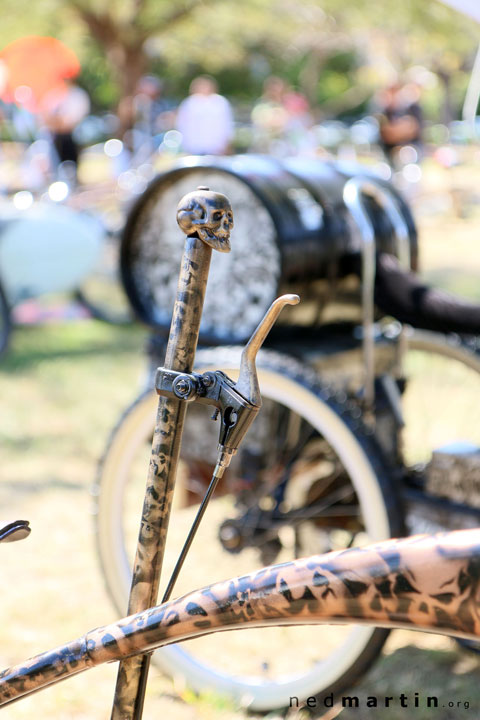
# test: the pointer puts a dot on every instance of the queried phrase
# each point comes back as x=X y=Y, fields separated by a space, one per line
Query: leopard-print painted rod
x=206 y=218
x=427 y=583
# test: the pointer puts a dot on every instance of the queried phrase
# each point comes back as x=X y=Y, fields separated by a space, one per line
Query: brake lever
x=236 y=424
x=237 y=403
x=247 y=384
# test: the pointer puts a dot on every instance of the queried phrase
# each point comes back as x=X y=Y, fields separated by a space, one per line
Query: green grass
x=63 y=386
x=62 y=389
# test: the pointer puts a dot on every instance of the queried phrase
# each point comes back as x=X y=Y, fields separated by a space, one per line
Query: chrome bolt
x=183 y=386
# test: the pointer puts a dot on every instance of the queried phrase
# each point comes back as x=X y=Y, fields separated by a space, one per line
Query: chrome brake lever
x=247 y=384
x=238 y=403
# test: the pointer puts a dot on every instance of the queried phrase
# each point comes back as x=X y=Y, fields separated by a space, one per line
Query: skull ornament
x=209 y=215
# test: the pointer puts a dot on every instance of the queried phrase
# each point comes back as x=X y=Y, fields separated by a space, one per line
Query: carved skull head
x=209 y=215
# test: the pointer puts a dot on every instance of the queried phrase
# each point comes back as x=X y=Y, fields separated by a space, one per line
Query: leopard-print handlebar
x=422 y=582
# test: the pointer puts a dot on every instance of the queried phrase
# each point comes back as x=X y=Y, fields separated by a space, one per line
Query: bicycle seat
x=16 y=530
x=404 y=295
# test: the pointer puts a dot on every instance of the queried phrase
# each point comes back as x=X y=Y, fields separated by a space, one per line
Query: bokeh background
x=67 y=377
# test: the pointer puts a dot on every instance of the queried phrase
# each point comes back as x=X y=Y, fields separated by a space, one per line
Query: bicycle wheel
x=334 y=491
x=440 y=401
x=440 y=440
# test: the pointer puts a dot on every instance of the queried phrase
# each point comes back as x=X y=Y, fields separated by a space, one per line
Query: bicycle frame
x=428 y=583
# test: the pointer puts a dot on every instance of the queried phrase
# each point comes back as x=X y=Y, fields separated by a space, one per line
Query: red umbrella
x=35 y=66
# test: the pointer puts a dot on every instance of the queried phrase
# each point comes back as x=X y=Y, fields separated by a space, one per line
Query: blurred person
x=269 y=114
x=63 y=110
x=148 y=104
x=18 y=119
x=299 y=122
x=205 y=119
x=153 y=115
x=3 y=87
x=281 y=118
x=401 y=119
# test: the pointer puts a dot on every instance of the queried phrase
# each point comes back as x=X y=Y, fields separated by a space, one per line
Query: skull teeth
x=218 y=235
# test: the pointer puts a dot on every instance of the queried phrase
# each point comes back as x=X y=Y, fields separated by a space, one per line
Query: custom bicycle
x=429 y=583
x=339 y=456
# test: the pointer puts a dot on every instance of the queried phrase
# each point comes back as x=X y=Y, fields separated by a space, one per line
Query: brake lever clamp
x=237 y=403
x=219 y=391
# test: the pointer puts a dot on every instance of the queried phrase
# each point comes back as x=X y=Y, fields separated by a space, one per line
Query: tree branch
x=179 y=14
x=100 y=24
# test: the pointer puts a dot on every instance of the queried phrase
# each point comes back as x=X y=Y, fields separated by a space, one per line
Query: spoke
x=289 y=435
x=312 y=511
x=309 y=512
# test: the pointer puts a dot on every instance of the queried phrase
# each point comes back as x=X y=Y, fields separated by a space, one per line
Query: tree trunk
x=128 y=64
x=124 y=50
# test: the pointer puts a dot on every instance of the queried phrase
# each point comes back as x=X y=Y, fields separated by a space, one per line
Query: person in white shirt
x=205 y=119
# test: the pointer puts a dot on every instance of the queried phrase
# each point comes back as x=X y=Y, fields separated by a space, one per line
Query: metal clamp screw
x=184 y=387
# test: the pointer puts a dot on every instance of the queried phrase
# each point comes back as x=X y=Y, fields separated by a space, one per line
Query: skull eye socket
x=198 y=211
x=217 y=216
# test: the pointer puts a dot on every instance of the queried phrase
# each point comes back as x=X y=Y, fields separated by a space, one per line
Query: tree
x=122 y=29
x=306 y=41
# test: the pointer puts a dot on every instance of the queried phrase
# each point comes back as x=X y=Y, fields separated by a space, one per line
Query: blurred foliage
x=97 y=78
x=337 y=53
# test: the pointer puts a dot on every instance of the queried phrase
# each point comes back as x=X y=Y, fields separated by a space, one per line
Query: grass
x=62 y=388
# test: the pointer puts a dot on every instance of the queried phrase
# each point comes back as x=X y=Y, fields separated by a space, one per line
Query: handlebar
x=423 y=582
x=404 y=295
